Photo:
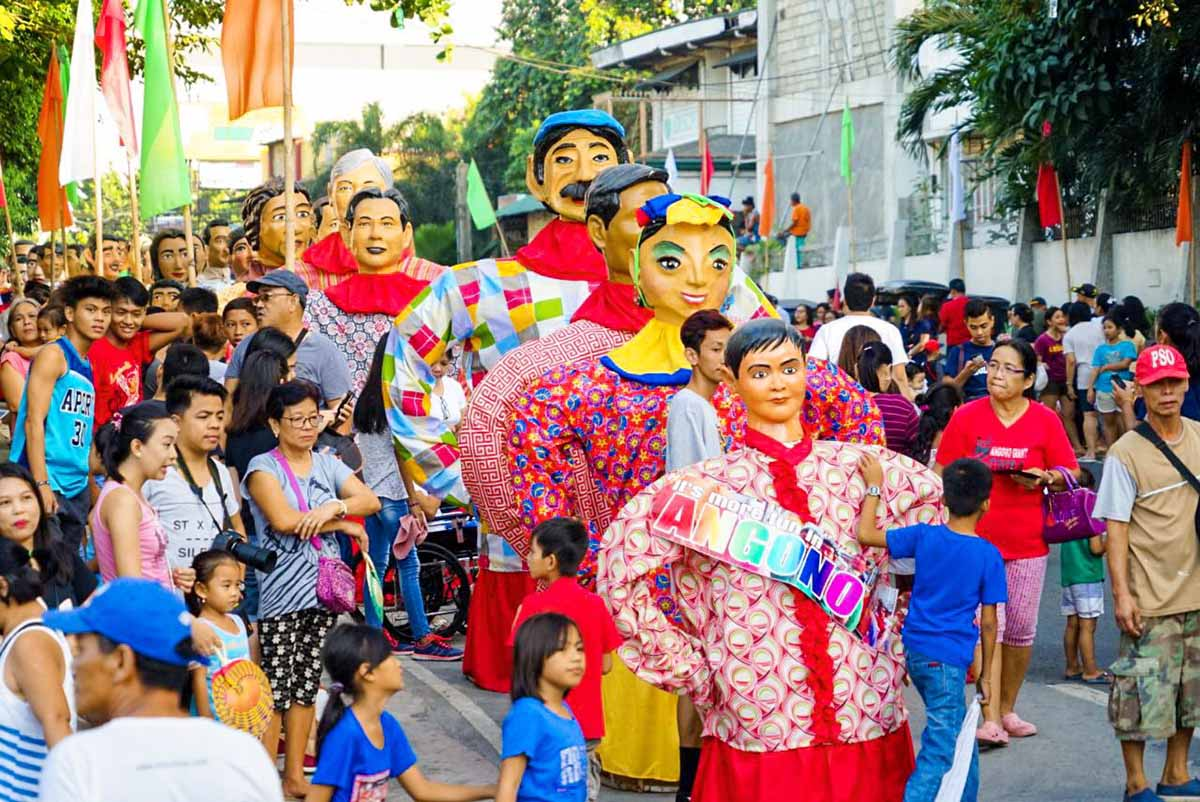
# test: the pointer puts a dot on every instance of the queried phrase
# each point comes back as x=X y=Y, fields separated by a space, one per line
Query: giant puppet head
x=352 y=173
x=685 y=255
x=569 y=150
x=380 y=229
x=264 y=218
x=613 y=201
x=765 y=366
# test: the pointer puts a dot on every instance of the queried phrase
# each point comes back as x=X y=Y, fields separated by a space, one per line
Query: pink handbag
x=412 y=532
x=336 y=586
x=1068 y=513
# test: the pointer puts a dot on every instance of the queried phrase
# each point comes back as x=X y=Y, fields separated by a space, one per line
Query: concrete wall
x=822 y=187
x=1146 y=264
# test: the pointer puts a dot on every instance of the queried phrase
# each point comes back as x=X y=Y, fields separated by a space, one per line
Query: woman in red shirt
x=1011 y=433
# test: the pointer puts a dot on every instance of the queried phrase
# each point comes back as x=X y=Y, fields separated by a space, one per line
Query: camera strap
x=212 y=471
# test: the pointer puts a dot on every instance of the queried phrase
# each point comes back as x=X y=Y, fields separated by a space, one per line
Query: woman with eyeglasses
x=1023 y=442
x=299 y=500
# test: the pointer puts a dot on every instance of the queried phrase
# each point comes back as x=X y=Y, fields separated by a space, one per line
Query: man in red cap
x=1149 y=498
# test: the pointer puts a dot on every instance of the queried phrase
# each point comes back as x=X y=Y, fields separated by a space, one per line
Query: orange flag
x=252 y=53
x=1183 y=218
x=53 y=211
x=766 y=217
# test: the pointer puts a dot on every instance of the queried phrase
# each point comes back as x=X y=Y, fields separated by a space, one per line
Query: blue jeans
x=941 y=689
x=381 y=531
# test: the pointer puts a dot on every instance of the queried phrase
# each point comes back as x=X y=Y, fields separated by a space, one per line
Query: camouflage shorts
x=1156 y=686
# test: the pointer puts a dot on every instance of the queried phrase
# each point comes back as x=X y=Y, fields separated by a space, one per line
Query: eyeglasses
x=263 y=297
x=304 y=422
x=1008 y=370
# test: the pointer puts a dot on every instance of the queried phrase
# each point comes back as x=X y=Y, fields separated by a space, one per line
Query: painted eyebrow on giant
x=667 y=248
x=720 y=250
x=564 y=146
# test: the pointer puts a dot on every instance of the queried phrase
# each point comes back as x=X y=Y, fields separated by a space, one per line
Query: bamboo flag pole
x=850 y=218
x=289 y=165
x=187 y=210
x=98 y=243
x=1062 y=216
x=18 y=282
x=503 y=242
x=135 y=236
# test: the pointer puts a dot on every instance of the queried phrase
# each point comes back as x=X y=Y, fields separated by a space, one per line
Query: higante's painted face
x=379 y=236
x=685 y=267
x=578 y=157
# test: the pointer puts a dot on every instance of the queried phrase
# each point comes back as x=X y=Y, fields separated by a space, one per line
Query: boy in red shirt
x=133 y=337
x=555 y=551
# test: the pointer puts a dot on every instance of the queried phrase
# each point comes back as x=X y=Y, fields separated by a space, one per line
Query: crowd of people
x=198 y=458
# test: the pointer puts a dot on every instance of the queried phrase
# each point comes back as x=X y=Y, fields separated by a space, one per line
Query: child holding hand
x=542 y=755
x=360 y=748
x=957 y=572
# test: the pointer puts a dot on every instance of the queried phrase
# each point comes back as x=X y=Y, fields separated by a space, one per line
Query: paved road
x=1073 y=759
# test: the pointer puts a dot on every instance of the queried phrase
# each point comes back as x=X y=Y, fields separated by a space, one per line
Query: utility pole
x=462 y=215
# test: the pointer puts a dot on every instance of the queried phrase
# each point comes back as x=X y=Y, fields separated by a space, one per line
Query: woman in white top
x=37 y=693
x=449 y=400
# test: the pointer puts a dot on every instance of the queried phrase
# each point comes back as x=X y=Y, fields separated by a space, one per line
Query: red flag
x=52 y=197
x=766 y=216
x=114 y=72
x=1049 y=210
x=3 y=196
x=252 y=54
x=706 y=165
x=1183 y=217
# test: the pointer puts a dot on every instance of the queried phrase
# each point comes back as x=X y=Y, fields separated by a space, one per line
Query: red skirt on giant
x=487 y=659
x=867 y=771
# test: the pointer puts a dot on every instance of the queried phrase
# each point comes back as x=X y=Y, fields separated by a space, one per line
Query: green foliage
x=1116 y=79
x=552 y=41
x=435 y=242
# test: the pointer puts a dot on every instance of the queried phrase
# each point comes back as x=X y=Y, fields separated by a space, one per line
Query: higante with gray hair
x=357 y=158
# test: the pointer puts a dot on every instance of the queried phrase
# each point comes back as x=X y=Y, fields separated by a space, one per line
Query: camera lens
x=258 y=558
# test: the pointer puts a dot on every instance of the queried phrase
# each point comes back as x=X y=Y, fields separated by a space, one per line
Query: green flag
x=847 y=143
x=482 y=213
x=165 y=183
x=64 y=75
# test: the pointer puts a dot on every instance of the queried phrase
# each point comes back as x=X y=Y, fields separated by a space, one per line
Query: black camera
x=261 y=559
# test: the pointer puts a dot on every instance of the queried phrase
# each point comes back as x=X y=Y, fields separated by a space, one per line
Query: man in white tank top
x=132 y=643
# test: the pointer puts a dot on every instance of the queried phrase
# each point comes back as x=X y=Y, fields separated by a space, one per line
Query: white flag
x=672 y=170
x=78 y=159
x=958 y=207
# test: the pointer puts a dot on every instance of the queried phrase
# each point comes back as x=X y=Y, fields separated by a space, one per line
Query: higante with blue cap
x=569 y=149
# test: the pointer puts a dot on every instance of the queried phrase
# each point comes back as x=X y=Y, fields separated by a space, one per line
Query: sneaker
x=310 y=765
x=434 y=647
x=1145 y=795
x=399 y=646
x=1017 y=727
x=991 y=735
x=1188 y=790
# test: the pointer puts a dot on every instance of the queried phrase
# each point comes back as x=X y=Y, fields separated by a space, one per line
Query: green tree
x=1116 y=80
x=552 y=41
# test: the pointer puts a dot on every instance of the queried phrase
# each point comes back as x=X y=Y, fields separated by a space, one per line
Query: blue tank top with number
x=68 y=425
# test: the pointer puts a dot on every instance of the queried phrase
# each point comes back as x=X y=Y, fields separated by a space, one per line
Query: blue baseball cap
x=139 y=613
x=583 y=118
x=280 y=278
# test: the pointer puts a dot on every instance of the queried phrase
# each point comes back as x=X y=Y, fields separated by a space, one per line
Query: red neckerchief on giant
x=331 y=255
x=374 y=293
x=563 y=250
x=815 y=624
x=614 y=306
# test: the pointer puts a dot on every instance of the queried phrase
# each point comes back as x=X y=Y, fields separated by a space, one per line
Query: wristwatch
x=874 y=490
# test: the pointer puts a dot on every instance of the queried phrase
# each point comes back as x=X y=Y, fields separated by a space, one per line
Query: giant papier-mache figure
x=334 y=258
x=589 y=434
x=358 y=310
x=782 y=630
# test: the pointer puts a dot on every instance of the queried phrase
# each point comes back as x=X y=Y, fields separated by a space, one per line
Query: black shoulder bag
x=1146 y=431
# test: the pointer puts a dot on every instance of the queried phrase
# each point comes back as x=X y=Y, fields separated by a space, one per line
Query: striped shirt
x=900 y=422
x=292 y=586
x=22 y=741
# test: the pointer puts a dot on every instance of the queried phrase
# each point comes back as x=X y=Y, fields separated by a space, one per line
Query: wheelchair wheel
x=445 y=589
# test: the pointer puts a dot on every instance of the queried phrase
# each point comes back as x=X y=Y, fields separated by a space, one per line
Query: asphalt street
x=454 y=726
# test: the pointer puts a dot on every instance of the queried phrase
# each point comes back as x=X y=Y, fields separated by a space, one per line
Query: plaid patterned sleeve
x=488 y=308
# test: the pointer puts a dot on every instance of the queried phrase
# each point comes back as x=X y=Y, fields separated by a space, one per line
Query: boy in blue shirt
x=957 y=572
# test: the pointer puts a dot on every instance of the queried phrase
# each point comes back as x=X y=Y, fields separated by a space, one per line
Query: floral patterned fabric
x=355 y=335
x=733 y=641
x=619 y=428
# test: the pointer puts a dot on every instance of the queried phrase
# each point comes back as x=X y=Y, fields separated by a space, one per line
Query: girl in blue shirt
x=361 y=747
x=543 y=754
